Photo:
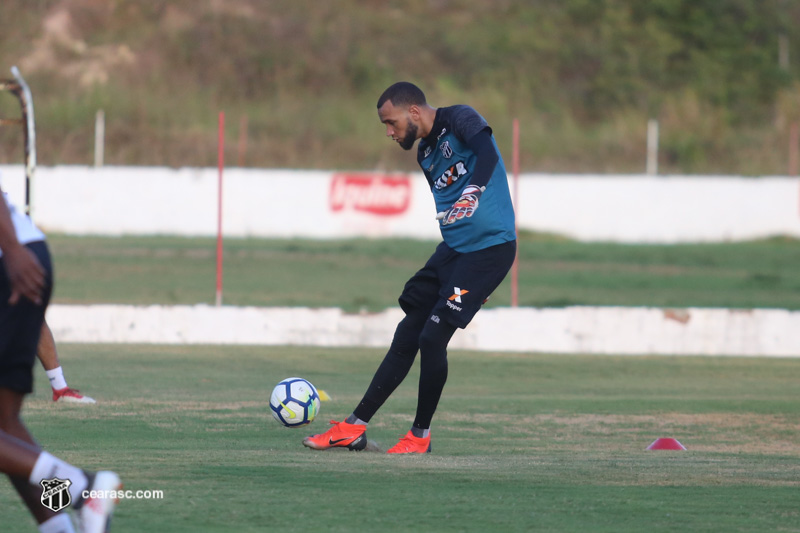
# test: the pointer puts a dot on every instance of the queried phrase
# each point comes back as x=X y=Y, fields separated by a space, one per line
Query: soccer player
x=464 y=169
x=48 y=356
x=25 y=287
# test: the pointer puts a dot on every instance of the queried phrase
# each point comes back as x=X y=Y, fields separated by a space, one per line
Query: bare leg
x=46 y=351
x=48 y=355
x=18 y=453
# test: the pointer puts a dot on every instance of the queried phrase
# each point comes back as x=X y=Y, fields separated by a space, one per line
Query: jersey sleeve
x=486 y=157
x=467 y=122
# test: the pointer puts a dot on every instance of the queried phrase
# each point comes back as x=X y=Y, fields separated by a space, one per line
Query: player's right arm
x=486 y=158
x=26 y=275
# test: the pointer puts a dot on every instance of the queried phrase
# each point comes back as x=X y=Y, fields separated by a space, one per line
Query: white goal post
x=19 y=88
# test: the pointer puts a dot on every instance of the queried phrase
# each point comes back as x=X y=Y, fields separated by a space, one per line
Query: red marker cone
x=666 y=444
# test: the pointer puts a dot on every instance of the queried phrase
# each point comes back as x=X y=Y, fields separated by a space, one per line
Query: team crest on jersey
x=451 y=175
x=447 y=150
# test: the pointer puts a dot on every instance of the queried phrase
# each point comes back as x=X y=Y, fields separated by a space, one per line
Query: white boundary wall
x=592 y=330
x=317 y=204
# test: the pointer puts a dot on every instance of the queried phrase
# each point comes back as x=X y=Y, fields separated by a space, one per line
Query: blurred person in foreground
x=462 y=164
x=48 y=357
x=47 y=484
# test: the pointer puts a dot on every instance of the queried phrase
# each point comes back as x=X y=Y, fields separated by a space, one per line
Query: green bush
x=582 y=76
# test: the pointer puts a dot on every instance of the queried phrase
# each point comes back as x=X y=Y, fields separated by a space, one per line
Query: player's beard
x=410 y=137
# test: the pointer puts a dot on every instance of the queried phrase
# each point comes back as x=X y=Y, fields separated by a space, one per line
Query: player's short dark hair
x=402 y=94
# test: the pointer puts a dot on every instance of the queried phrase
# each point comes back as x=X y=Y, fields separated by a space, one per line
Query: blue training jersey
x=448 y=163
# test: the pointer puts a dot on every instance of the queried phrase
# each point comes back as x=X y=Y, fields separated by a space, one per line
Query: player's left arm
x=26 y=275
x=486 y=158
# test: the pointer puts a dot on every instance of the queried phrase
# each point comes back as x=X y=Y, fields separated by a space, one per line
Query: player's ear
x=414 y=111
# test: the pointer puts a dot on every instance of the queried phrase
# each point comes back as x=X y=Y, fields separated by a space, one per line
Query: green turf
x=521 y=442
x=366 y=274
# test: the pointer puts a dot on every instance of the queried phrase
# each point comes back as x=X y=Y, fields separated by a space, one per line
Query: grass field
x=520 y=443
x=364 y=274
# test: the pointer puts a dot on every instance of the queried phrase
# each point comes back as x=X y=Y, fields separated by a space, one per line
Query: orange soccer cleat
x=412 y=444
x=341 y=435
